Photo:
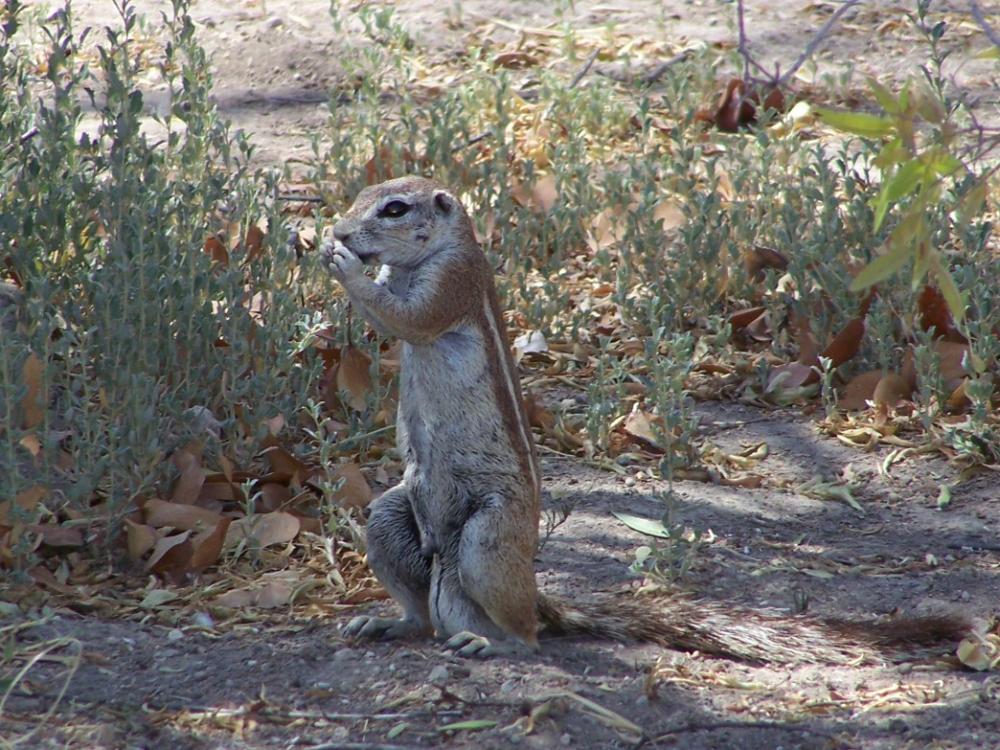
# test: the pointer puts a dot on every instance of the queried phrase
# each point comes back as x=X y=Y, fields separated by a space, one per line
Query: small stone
x=565 y=740
x=508 y=687
x=438 y=675
x=345 y=654
x=630 y=481
x=175 y=635
x=275 y=22
x=203 y=620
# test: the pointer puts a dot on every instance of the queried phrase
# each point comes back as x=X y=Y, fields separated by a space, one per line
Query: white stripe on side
x=502 y=350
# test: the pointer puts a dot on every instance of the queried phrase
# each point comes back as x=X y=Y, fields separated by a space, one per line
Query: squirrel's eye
x=394 y=209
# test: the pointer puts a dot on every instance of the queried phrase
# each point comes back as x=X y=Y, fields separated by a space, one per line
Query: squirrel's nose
x=341 y=232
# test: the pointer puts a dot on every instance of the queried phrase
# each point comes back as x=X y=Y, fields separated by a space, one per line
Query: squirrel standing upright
x=454 y=542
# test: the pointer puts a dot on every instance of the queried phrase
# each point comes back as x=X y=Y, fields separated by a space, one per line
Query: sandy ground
x=291 y=681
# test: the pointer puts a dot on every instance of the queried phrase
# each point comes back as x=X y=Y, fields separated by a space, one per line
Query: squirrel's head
x=403 y=222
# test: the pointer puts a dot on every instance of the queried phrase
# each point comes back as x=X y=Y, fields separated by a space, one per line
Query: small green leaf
x=902 y=183
x=971 y=203
x=944 y=497
x=646 y=526
x=993 y=53
x=472 y=725
x=859 y=123
x=882 y=267
x=397 y=730
x=949 y=290
x=884 y=97
x=156 y=598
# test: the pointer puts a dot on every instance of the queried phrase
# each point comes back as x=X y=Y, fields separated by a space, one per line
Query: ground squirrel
x=454 y=542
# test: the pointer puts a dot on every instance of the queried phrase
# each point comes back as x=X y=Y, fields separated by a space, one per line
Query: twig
x=27 y=136
x=292 y=197
x=358 y=746
x=818 y=37
x=712 y=726
x=586 y=67
x=991 y=33
x=657 y=71
x=472 y=141
x=776 y=79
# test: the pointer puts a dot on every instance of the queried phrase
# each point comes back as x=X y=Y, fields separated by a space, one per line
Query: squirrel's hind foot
x=382 y=628
x=479 y=647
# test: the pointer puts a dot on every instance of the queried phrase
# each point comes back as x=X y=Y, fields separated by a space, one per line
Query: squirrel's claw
x=380 y=628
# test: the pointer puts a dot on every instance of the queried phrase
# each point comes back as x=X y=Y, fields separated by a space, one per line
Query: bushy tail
x=763 y=636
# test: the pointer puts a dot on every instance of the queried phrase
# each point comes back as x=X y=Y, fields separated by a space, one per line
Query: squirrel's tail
x=679 y=621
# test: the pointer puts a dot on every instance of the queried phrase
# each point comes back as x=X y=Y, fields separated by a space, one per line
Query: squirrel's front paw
x=339 y=260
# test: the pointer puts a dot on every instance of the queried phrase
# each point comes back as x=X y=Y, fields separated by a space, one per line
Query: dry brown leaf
x=171 y=556
x=545 y=194
x=57 y=536
x=538 y=415
x=264 y=529
x=890 y=390
x=859 y=391
x=253 y=244
x=670 y=212
x=272 y=496
x=758 y=258
x=355 y=491
x=217 y=251
x=32 y=404
x=934 y=313
x=207 y=546
x=32 y=444
x=846 y=343
x=191 y=479
x=515 y=60
x=284 y=466
x=160 y=513
x=640 y=425
x=27 y=500
x=354 y=376
x=743 y=318
x=276 y=591
x=139 y=538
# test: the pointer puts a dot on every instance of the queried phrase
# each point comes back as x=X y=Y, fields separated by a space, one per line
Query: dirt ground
x=292 y=681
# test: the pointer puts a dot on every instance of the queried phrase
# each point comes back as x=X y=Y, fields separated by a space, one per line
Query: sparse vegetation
x=183 y=394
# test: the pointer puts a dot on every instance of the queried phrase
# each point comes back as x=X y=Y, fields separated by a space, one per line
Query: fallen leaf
x=192 y=476
x=253 y=243
x=671 y=213
x=354 y=377
x=846 y=343
x=530 y=342
x=355 y=491
x=640 y=424
x=171 y=555
x=207 y=546
x=890 y=390
x=743 y=318
x=139 y=538
x=26 y=502
x=217 y=251
x=758 y=258
x=32 y=405
x=263 y=529
x=514 y=60
x=857 y=393
x=181 y=516
x=57 y=536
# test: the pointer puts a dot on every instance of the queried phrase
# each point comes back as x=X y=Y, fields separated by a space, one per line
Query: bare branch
x=583 y=71
x=777 y=79
x=990 y=32
x=816 y=40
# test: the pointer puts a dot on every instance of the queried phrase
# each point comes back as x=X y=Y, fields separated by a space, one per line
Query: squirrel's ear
x=444 y=202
